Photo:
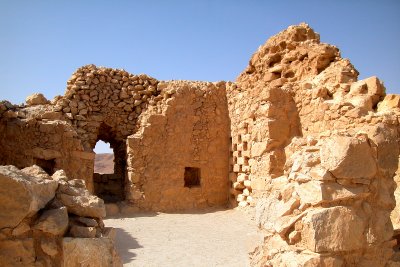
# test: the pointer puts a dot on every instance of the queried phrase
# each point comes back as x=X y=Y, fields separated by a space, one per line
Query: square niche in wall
x=192 y=177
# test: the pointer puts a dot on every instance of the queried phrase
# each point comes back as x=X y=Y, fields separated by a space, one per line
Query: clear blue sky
x=43 y=42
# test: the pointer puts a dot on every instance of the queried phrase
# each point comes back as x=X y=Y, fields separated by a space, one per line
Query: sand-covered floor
x=213 y=238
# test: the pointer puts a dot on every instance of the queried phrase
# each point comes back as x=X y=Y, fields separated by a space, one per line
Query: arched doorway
x=110 y=184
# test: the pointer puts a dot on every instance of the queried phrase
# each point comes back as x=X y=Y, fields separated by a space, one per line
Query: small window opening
x=234 y=147
x=47 y=165
x=245 y=146
x=192 y=177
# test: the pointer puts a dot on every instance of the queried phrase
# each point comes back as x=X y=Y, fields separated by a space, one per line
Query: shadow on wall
x=126 y=243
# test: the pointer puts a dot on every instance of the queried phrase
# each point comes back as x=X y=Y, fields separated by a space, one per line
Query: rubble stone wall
x=302 y=113
x=189 y=128
x=156 y=129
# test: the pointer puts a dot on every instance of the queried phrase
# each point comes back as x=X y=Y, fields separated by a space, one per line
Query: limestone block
x=60 y=175
x=54 y=221
x=348 y=157
x=315 y=192
x=90 y=252
x=49 y=246
x=258 y=148
x=83 y=205
x=36 y=171
x=87 y=221
x=82 y=231
x=20 y=252
x=247 y=183
x=36 y=99
x=242 y=203
x=333 y=230
x=22 y=195
x=21 y=229
x=241 y=177
x=240 y=161
x=236 y=168
x=391 y=101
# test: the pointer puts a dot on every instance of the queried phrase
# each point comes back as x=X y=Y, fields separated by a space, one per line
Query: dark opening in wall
x=109 y=175
x=47 y=165
x=192 y=177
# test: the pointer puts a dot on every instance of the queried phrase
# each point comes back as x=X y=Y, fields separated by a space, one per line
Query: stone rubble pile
x=51 y=221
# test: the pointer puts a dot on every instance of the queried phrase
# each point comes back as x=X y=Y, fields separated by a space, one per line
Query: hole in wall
x=244 y=146
x=109 y=174
x=192 y=177
x=47 y=165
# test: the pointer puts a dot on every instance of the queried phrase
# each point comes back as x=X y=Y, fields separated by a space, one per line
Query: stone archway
x=111 y=186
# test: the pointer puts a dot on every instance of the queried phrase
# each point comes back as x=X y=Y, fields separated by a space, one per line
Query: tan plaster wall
x=189 y=128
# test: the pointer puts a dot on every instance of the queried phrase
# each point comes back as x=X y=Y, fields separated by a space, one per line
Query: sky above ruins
x=43 y=42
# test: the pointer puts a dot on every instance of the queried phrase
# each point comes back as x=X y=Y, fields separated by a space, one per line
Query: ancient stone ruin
x=297 y=139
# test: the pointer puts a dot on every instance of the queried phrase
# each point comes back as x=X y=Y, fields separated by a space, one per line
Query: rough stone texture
x=22 y=195
x=34 y=222
x=17 y=252
x=297 y=137
x=314 y=154
x=348 y=158
x=36 y=99
x=90 y=252
x=195 y=115
x=54 y=221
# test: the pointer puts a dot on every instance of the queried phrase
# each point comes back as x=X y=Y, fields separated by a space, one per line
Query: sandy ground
x=214 y=238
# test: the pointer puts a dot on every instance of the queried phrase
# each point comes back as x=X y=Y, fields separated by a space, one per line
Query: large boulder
x=54 y=221
x=90 y=252
x=348 y=157
x=390 y=102
x=36 y=171
x=36 y=99
x=22 y=195
x=79 y=201
x=333 y=230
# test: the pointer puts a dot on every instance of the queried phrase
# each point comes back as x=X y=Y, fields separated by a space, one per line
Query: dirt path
x=216 y=238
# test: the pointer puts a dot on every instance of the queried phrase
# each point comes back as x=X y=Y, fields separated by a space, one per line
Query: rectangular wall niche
x=47 y=165
x=192 y=177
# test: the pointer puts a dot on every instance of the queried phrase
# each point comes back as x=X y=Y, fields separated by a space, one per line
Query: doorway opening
x=110 y=167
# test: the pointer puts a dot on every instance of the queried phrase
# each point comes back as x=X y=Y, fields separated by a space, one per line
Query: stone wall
x=189 y=128
x=156 y=129
x=301 y=112
x=34 y=135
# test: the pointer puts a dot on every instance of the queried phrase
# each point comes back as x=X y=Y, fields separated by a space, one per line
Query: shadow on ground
x=125 y=243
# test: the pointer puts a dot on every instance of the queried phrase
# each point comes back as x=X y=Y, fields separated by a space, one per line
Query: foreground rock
x=22 y=195
x=98 y=252
x=38 y=228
